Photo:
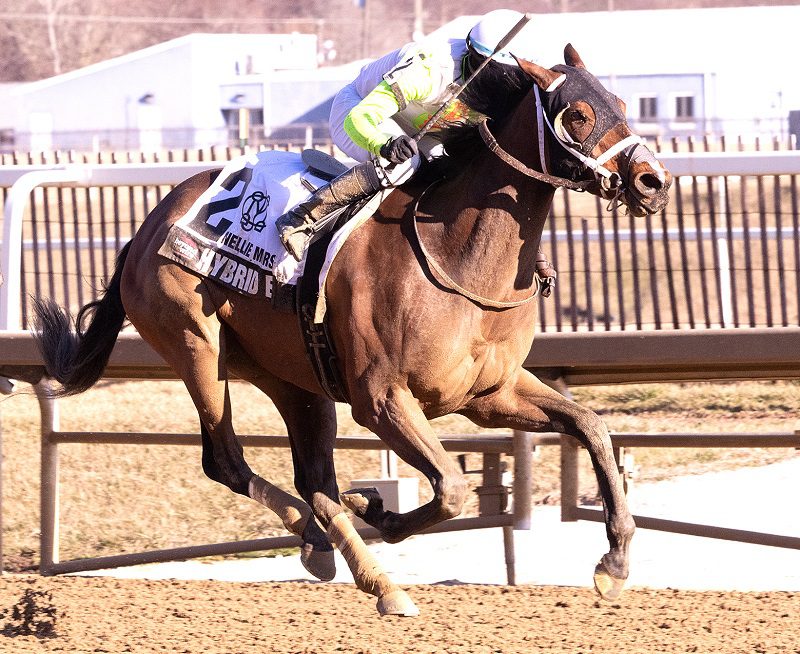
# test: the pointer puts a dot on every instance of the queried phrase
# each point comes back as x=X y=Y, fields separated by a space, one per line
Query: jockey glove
x=399 y=149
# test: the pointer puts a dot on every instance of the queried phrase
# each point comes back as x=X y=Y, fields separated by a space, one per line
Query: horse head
x=594 y=142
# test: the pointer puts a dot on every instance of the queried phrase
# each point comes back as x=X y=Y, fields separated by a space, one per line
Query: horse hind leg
x=223 y=461
x=198 y=357
x=316 y=552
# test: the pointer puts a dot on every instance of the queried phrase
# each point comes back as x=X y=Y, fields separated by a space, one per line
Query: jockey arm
x=363 y=121
x=417 y=79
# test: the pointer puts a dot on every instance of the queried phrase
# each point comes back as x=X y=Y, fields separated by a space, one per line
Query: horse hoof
x=358 y=500
x=319 y=563
x=609 y=588
x=397 y=603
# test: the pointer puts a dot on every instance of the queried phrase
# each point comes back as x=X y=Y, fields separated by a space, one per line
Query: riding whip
x=455 y=92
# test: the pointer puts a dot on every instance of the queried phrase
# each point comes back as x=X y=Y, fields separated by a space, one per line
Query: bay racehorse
x=429 y=311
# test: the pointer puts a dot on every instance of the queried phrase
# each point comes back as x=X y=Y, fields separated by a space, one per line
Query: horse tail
x=75 y=357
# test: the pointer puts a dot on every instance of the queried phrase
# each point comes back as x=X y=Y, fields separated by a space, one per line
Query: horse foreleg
x=527 y=404
x=367 y=572
x=396 y=417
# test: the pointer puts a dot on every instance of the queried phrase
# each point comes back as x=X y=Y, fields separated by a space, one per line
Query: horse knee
x=452 y=493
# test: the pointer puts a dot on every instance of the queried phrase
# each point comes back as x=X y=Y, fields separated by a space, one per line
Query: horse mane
x=495 y=92
x=497 y=89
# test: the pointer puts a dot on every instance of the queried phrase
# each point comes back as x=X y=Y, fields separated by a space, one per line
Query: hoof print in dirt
x=33 y=615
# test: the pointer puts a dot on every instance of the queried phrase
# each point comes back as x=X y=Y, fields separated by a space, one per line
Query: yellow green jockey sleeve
x=362 y=122
x=416 y=80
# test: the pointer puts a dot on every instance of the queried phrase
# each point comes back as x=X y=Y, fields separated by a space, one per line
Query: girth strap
x=316 y=336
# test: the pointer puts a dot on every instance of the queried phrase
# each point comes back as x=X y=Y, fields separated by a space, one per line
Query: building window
x=648 y=108
x=684 y=107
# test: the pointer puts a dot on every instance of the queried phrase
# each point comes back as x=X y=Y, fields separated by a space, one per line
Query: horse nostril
x=647 y=184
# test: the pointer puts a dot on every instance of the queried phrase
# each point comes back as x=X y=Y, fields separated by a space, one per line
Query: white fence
x=22 y=180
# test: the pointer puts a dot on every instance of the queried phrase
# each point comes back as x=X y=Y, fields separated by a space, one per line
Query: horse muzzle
x=648 y=191
x=648 y=182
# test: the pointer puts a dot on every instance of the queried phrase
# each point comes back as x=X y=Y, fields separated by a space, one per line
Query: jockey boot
x=296 y=226
x=547 y=274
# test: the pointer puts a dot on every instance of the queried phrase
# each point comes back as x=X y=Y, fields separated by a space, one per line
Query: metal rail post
x=492 y=500
x=523 y=479
x=49 y=504
x=569 y=479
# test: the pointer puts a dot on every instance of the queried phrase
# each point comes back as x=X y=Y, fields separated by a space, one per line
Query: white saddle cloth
x=229 y=234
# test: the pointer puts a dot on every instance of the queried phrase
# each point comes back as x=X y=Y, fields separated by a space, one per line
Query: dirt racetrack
x=77 y=615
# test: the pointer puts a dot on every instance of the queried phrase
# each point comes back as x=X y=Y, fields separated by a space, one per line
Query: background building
x=681 y=72
x=187 y=92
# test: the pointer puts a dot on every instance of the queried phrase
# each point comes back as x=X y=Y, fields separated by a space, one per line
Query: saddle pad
x=229 y=232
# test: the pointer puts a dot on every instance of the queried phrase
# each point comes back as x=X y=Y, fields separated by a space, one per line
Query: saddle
x=322 y=165
x=302 y=298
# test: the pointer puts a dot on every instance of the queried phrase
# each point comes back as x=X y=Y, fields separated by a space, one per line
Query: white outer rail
x=23 y=179
x=722 y=164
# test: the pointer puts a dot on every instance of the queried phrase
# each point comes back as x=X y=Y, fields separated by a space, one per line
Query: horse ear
x=543 y=77
x=572 y=58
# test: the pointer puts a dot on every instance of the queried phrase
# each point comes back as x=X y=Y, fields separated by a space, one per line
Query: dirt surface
x=77 y=615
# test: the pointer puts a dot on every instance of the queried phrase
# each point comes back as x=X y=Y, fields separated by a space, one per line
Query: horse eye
x=578 y=116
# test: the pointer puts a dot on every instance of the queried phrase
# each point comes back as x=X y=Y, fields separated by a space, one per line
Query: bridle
x=611 y=183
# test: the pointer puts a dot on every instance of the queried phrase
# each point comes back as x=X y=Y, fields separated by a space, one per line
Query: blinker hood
x=581 y=85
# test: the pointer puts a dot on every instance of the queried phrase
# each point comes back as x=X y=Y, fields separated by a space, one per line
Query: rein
x=516 y=164
x=449 y=282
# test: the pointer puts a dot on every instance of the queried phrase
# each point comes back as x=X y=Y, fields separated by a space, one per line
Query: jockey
x=374 y=118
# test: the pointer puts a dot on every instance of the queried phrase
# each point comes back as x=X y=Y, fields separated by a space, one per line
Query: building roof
x=663 y=40
x=210 y=42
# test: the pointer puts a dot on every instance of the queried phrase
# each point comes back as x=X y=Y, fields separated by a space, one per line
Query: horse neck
x=493 y=237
